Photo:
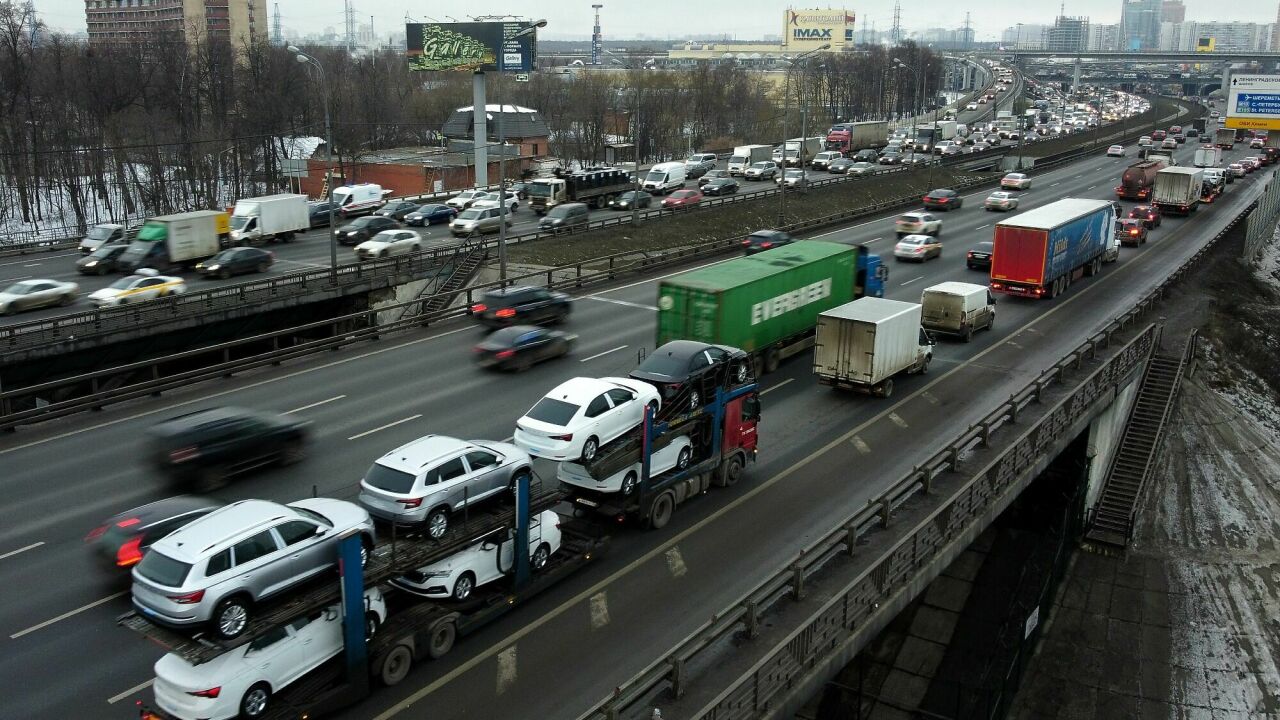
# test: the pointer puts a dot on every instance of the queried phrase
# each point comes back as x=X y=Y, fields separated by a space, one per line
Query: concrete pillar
x=479 y=110
x=1075 y=76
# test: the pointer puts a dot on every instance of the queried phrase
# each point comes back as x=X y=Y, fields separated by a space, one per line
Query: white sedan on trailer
x=459 y=575
x=240 y=682
x=581 y=415
x=675 y=456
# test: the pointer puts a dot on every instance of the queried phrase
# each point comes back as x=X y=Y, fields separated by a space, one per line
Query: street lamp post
x=786 y=91
x=915 y=89
x=306 y=59
x=529 y=29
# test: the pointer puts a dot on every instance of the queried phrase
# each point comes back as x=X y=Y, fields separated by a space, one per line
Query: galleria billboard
x=470 y=46
x=814 y=27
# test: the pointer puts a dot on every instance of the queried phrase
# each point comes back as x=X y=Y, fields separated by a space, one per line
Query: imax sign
x=811 y=33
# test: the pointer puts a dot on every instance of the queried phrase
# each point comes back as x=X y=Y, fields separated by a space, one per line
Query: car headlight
x=212 y=267
x=436 y=574
x=91 y=263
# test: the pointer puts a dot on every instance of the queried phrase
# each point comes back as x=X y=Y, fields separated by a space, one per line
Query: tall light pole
x=915 y=88
x=635 y=138
x=527 y=30
x=306 y=59
x=786 y=91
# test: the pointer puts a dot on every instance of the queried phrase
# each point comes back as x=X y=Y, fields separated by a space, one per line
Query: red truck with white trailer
x=1040 y=252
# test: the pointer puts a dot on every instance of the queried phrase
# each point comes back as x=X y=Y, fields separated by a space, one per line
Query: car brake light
x=479 y=308
x=503 y=355
x=129 y=553
x=410 y=503
x=130 y=522
x=1133 y=231
x=190 y=598
x=210 y=693
x=184 y=454
x=95 y=533
x=766 y=245
x=565 y=438
x=746 y=243
x=505 y=313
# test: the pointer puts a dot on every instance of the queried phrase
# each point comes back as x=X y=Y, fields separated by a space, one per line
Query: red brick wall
x=402 y=179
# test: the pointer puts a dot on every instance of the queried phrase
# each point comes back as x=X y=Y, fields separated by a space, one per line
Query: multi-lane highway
x=823 y=453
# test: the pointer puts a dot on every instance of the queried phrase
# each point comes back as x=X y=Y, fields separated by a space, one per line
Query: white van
x=675 y=455
x=353 y=200
x=665 y=177
x=958 y=308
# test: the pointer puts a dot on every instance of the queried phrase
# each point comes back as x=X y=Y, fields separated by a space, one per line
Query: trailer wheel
x=395 y=665
x=660 y=512
x=771 y=360
x=442 y=637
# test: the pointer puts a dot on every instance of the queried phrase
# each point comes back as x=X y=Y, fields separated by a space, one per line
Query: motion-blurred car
x=579 y=416
x=762 y=240
x=1148 y=214
x=979 y=256
x=1131 y=231
x=389 y=243
x=712 y=175
x=682 y=200
x=1001 y=200
x=34 y=294
x=237 y=261
x=136 y=288
x=207 y=447
x=890 y=158
x=105 y=234
x=625 y=200
x=721 y=186
x=1015 y=181
x=918 y=222
x=431 y=214
x=120 y=542
x=1115 y=151
x=861 y=168
x=397 y=209
x=839 y=166
x=763 y=170
x=101 y=261
x=942 y=199
x=917 y=247
x=791 y=179
x=519 y=347
x=363 y=228
x=521 y=305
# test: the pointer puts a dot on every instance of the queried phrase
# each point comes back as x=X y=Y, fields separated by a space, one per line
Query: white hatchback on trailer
x=582 y=415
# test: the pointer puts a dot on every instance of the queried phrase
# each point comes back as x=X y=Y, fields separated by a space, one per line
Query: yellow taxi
x=136 y=288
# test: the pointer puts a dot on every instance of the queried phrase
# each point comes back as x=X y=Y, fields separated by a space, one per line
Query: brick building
x=412 y=170
x=230 y=21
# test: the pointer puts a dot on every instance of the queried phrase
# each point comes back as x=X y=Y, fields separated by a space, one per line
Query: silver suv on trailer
x=217 y=568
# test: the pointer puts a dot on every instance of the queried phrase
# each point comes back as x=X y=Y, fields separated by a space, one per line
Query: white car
x=1145 y=141
x=971 y=106
x=860 y=168
x=919 y=222
x=1000 y=200
x=761 y=170
x=240 y=682
x=1115 y=151
x=460 y=574
x=136 y=288
x=32 y=294
x=792 y=178
x=490 y=200
x=675 y=456
x=388 y=243
x=582 y=415
x=1015 y=181
x=463 y=200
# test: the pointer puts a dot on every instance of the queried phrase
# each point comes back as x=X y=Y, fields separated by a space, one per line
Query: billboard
x=1253 y=102
x=470 y=46
x=815 y=27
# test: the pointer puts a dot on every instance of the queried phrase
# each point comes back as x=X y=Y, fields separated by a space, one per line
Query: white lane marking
x=675 y=563
x=913 y=280
x=315 y=404
x=135 y=689
x=20 y=277
x=930 y=397
x=983 y=226
x=860 y=445
x=874 y=240
x=22 y=262
x=506 y=669
x=775 y=387
x=897 y=420
x=32 y=546
x=68 y=614
x=384 y=427
x=1052 y=184
x=621 y=302
x=599 y=610
x=602 y=354
x=31 y=265
x=655 y=279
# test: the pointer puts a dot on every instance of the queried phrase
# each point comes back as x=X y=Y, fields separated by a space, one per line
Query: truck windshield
x=656 y=176
x=152 y=231
x=238 y=222
x=341 y=198
x=136 y=251
x=538 y=190
x=97 y=232
x=738 y=160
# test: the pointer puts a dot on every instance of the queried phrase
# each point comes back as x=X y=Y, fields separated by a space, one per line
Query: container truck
x=665 y=177
x=1177 y=190
x=269 y=218
x=1224 y=138
x=1208 y=157
x=958 y=308
x=1138 y=179
x=863 y=345
x=1040 y=252
x=744 y=156
x=173 y=241
x=849 y=138
x=766 y=303
x=594 y=187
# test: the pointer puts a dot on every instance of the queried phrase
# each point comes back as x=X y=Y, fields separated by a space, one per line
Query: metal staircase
x=1130 y=470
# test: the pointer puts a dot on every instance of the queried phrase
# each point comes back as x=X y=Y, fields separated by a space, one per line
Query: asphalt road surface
x=823 y=453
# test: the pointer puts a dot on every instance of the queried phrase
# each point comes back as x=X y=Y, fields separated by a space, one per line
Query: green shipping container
x=755 y=301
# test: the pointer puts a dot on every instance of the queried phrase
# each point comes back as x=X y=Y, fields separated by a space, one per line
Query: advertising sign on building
x=810 y=28
x=1253 y=102
x=470 y=46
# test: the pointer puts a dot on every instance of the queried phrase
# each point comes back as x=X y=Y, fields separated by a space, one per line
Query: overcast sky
x=743 y=19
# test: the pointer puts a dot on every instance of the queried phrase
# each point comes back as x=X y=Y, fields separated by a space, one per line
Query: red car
x=682 y=199
x=1148 y=214
x=1158 y=135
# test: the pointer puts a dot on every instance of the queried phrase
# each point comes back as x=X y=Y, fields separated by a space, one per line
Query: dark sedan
x=979 y=257
x=891 y=158
x=319 y=213
x=624 y=201
x=688 y=372
x=206 y=447
x=1131 y=232
x=712 y=175
x=519 y=347
x=1148 y=214
x=721 y=186
x=119 y=543
x=431 y=215
x=521 y=305
x=397 y=209
x=839 y=166
x=237 y=261
x=102 y=260
x=762 y=240
x=943 y=199
x=363 y=228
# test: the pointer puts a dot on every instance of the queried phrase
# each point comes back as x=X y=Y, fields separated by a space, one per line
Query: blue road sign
x=1257 y=104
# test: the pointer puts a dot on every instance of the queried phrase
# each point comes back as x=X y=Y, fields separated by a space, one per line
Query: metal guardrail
x=848 y=611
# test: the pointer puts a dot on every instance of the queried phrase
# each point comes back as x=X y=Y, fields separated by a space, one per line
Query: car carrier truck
x=1040 y=252
x=766 y=303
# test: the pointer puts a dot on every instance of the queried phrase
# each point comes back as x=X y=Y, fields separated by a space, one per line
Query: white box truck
x=799 y=151
x=958 y=308
x=744 y=156
x=173 y=241
x=1208 y=157
x=1177 y=190
x=665 y=177
x=864 y=344
x=269 y=218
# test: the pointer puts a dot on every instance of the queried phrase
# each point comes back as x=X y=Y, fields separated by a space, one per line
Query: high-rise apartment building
x=1068 y=34
x=230 y=21
x=1140 y=24
x=1173 y=11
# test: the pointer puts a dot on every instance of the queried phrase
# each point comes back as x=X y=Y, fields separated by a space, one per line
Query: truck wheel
x=730 y=472
x=629 y=483
x=395 y=665
x=660 y=512
x=968 y=334
x=924 y=368
x=886 y=388
x=441 y=641
x=771 y=360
